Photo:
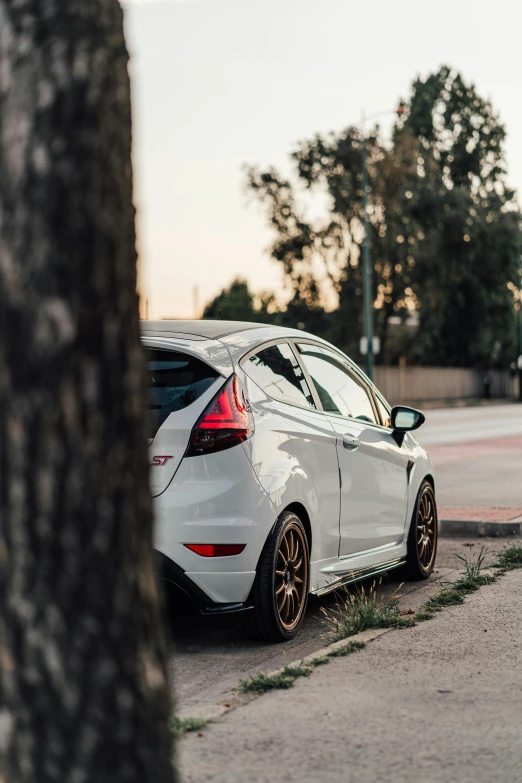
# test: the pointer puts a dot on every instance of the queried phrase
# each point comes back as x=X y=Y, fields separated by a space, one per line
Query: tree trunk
x=84 y=692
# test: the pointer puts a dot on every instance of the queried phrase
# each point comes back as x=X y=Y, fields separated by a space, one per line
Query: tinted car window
x=277 y=371
x=337 y=388
x=175 y=381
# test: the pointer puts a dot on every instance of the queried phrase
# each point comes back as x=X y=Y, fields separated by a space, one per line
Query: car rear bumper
x=174 y=574
x=214 y=499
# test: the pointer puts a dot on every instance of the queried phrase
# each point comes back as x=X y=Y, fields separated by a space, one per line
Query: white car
x=278 y=470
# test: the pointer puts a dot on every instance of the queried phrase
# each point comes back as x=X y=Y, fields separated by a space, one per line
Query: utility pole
x=367 y=263
x=519 y=341
x=367 y=267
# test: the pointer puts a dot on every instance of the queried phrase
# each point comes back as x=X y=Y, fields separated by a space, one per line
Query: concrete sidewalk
x=441 y=702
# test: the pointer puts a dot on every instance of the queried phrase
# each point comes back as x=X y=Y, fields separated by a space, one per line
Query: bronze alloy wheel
x=280 y=591
x=427 y=528
x=291 y=577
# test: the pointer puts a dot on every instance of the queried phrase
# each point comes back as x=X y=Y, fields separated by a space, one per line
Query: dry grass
x=360 y=609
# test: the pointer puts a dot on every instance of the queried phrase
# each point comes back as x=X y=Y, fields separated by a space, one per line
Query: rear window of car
x=176 y=380
x=277 y=371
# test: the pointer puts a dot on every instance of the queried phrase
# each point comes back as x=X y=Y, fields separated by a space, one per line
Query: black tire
x=278 y=595
x=423 y=535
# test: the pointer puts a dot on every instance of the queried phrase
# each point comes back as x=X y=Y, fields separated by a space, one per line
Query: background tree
x=236 y=302
x=82 y=662
x=470 y=242
x=444 y=227
x=233 y=303
x=331 y=248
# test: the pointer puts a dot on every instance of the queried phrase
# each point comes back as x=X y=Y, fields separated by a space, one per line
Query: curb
x=480 y=528
x=230 y=699
x=233 y=700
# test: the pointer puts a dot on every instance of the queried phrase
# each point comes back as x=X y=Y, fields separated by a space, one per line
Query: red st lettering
x=160 y=460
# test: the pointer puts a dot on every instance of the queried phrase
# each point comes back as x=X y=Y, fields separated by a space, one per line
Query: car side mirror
x=405 y=419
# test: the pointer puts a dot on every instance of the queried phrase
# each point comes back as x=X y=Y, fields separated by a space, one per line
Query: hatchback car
x=278 y=470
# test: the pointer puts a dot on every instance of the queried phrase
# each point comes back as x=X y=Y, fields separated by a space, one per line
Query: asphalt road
x=446 y=426
x=209 y=654
x=477 y=454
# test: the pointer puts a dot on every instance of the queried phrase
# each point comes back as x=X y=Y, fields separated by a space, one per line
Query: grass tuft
x=347 y=649
x=402 y=622
x=261 y=683
x=360 y=610
x=466 y=585
x=471 y=578
x=319 y=661
x=447 y=597
x=181 y=726
x=422 y=617
x=509 y=558
x=284 y=679
x=473 y=566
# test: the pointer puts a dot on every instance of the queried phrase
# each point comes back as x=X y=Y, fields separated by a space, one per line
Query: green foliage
x=451 y=118
x=471 y=248
x=261 y=683
x=444 y=230
x=359 y=610
x=447 y=597
x=181 y=726
x=235 y=303
x=470 y=579
x=304 y=311
x=509 y=558
x=321 y=660
x=347 y=649
x=473 y=566
x=285 y=678
x=422 y=617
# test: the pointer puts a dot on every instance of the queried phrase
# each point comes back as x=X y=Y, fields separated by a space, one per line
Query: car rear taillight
x=216 y=550
x=227 y=421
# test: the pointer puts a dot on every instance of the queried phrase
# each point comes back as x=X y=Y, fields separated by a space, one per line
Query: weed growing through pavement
x=319 y=661
x=509 y=558
x=284 y=679
x=470 y=579
x=473 y=567
x=261 y=683
x=180 y=726
x=447 y=597
x=360 y=610
x=421 y=617
x=346 y=649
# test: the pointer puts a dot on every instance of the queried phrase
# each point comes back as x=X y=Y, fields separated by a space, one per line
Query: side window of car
x=336 y=386
x=384 y=412
x=277 y=371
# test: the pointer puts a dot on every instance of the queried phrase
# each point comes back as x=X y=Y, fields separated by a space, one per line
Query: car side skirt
x=356 y=574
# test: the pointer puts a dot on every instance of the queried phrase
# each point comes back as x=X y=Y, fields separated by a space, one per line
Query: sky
x=222 y=83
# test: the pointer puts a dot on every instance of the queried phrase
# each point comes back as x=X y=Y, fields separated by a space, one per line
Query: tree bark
x=84 y=692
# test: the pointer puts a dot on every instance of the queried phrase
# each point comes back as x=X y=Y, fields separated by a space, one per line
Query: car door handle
x=350 y=442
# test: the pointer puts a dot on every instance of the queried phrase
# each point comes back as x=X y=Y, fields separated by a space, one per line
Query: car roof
x=210 y=329
x=207 y=338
